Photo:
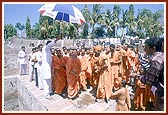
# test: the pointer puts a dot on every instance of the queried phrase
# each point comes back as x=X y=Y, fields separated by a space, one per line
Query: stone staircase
x=32 y=99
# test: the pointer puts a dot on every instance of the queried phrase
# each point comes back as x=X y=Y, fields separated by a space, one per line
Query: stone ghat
x=30 y=98
x=10 y=93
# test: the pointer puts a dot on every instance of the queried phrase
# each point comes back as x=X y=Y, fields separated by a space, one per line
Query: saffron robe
x=73 y=69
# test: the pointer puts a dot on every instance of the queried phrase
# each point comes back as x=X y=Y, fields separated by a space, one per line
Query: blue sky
x=18 y=12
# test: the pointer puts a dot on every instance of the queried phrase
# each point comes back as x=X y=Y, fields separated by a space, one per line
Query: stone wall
x=32 y=99
x=29 y=95
x=10 y=93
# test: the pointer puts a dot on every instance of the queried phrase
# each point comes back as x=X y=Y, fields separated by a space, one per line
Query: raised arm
x=58 y=38
x=52 y=43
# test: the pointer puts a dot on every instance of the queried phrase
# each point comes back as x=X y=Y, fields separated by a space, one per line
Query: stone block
x=37 y=106
x=94 y=108
x=59 y=105
x=85 y=99
x=33 y=99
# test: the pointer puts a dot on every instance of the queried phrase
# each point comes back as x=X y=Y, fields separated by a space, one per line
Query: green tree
x=147 y=22
x=150 y=24
x=116 y=13
x=95 y=17
x=50 y=29
x=46 y=27
x=72 y=31
x=86 y=13
x=85 y=32
x=28 y=28
x=140 y=25
x=158 y=29
x=99 y=32
x=64 y=29
x=108 y=23
x=130 y=21
x=20 y=27
x=9 y=31
x=56 y=29
x=36 y=31
x=122 y=21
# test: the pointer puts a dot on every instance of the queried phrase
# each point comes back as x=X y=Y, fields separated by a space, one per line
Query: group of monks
x=103 y=69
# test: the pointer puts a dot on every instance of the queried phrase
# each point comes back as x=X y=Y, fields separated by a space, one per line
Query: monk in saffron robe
x=65 y=55
x=89 y=72
x=136 y=60
x=104 y=86
x=115 y=61
x=93 y=63
x=58 y=73
x=84 y=66
x=126 y=65
x=139 y=98
x=73 y=69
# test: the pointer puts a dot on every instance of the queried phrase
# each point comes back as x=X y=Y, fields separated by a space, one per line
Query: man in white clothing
x=39 y=77
x=22 y=61
x=32 y=63
x=46 y=67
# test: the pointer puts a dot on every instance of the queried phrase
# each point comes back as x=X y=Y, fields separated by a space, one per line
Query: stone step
x=32 y=99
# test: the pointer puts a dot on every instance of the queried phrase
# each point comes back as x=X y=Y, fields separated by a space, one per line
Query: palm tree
x=140 y=26
x=147 y=17
x=131 y=22
x=122 y=22
x=28 y=28
x=20 y=27
x=108 y=22
x=86 y=13
x=36 y=31
x=56 y=29
x=72 y=31
x=95 y=17
x=44 y=29
x=159 y=21
x=116 y=13
x=9 y=31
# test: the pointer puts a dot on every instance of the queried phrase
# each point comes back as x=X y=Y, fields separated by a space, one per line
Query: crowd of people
x=107 y=70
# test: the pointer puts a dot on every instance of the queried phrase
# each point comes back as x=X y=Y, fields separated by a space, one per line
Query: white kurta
x=23 y=62
x=39 y=69
x=46 y=68
x=22 y=57
x=47 y=60
x=39 y=59
x=31 y=65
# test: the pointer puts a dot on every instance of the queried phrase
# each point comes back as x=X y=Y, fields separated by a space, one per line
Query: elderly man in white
x=46 y=67
x=22 y=59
